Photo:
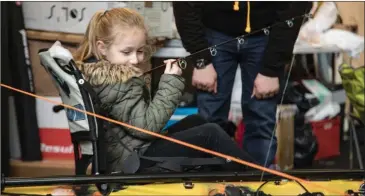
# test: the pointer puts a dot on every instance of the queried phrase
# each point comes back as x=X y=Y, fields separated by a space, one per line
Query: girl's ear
x=101 y=47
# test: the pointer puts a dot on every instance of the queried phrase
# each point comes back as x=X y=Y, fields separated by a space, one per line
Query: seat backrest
x=59 y=63
x=89 y=145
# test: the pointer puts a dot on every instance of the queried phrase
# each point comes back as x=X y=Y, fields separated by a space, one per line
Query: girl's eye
x=141 y=51
x=126 y=52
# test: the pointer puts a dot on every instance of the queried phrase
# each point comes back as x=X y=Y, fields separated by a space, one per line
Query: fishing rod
x=182 y=63
x=145 y=178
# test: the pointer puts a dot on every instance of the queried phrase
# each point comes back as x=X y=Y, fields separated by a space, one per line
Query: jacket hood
x=105 y=73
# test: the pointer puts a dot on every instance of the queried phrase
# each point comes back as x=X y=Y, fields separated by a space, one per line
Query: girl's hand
x=172 y=68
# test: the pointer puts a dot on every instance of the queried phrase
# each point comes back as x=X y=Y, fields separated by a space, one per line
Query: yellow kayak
x=198 y=189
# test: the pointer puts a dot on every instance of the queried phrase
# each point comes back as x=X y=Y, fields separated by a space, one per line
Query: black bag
x=305 y=143
x=228 y=126
x=295 y=94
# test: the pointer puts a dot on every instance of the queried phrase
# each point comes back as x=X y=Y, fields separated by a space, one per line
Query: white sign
x=73 y=17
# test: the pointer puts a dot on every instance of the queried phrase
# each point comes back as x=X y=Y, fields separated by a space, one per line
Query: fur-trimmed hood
x=105 y=73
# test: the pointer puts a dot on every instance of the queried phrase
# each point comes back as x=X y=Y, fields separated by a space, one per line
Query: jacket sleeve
x=282 y=38
x=134 y=107
x=188 y=19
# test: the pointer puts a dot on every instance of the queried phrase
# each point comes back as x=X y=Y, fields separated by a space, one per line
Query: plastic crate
x=328 y=136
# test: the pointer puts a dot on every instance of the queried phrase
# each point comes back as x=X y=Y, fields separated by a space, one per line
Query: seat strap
x=87 y=86
x=96 y=104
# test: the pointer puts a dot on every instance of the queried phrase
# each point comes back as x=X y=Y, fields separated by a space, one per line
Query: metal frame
x=136 y=179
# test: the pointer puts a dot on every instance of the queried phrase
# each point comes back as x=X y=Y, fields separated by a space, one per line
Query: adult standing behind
x=261 y=58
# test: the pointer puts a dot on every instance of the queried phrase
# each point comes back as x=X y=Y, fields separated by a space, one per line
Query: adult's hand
x=205 y=79
x=265 y=87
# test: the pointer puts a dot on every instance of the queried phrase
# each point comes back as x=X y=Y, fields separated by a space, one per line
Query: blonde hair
x=102 y=27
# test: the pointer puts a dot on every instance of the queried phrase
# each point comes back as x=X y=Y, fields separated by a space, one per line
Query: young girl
x=110 y=56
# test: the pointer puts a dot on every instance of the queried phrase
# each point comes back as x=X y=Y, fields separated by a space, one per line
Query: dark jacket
x=193 y=17
x=126 y=98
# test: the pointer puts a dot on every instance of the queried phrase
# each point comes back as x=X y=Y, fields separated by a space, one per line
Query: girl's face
x=127 y=48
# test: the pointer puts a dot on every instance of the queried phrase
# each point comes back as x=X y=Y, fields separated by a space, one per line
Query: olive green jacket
x=127 y=99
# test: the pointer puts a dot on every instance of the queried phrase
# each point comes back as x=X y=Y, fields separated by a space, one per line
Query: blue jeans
x=259 y=115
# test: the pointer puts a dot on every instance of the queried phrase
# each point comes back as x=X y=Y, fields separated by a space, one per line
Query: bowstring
x=281 y=102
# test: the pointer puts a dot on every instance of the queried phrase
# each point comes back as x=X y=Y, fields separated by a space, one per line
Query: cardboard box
x=285 y=136
x=73 y=17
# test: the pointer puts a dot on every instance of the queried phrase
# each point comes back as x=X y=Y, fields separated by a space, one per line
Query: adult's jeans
x=259 y=115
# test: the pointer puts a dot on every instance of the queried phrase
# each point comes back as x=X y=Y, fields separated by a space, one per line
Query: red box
x=56 y=144
x=327 y=133
x=239 y=133
x=328 y=137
